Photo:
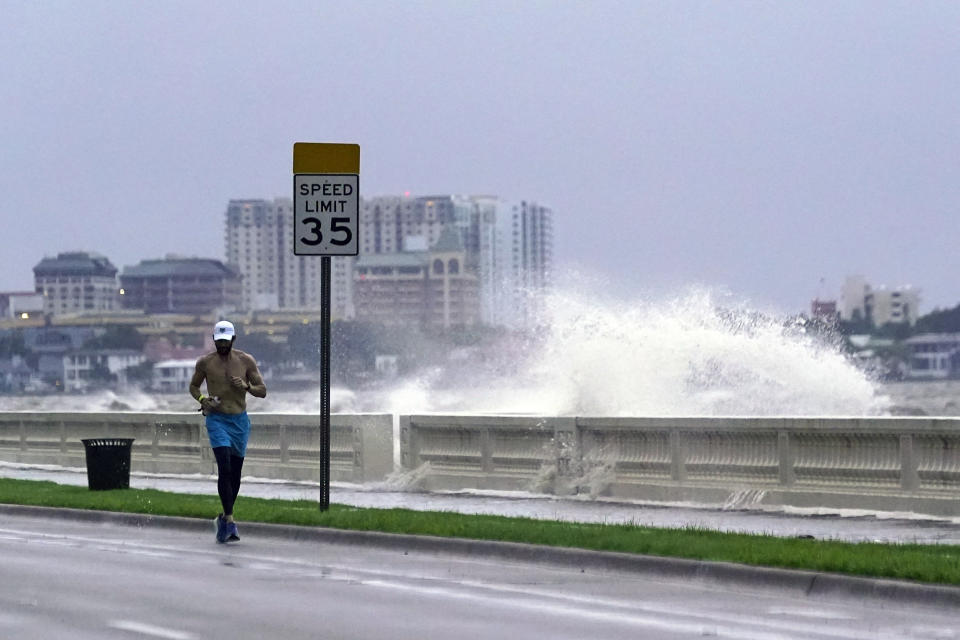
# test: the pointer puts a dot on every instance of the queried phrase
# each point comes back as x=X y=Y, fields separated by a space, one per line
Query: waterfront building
x=180 y=285
x=16 y=375
x=934 y=355
x=173 y=376
x=76 y=282
x=86 y=368
x=425 y=289
x=893 y=306
x=50 y=344
x=259 y=245
x=878 y=306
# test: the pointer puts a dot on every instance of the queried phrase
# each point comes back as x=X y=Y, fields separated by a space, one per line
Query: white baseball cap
x=223 y=330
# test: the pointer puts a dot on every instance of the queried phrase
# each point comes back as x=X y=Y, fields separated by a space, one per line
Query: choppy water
x=940 y=398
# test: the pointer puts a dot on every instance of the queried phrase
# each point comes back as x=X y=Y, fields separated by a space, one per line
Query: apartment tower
x=508 y=246
x=259 y=244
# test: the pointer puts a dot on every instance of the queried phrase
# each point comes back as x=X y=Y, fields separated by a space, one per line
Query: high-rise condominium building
x=508 y=245
x=524 y=263
x=259 y=244
x=76 y=282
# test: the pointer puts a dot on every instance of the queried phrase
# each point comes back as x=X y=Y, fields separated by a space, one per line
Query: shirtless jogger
x=230 y=374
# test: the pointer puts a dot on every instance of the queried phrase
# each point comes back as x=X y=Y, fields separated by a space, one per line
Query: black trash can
x=108 y=463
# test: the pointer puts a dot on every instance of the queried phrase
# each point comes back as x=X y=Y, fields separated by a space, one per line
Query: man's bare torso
x=218 y=370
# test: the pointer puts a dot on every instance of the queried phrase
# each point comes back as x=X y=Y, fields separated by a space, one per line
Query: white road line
x=711 y=616
x=741 y=633
x=632 y=610
x=150 y=630
x=133 y=550
x=819 y=614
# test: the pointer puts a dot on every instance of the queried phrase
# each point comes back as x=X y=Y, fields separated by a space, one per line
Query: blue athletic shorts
x=229 y=430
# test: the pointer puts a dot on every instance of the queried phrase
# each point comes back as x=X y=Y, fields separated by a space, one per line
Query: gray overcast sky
x=752 y=146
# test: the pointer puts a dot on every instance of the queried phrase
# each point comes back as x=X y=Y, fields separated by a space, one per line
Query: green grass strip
x=938 y=564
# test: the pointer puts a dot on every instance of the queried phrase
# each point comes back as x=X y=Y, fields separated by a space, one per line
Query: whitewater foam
x=685 y=357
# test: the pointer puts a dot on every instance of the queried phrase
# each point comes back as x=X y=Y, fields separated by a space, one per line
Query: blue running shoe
x=233 y=535
x=220 y=526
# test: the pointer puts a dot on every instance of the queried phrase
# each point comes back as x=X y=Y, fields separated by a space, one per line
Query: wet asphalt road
x=81 y=580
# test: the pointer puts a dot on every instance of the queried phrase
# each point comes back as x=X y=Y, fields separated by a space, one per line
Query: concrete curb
x=803 y=583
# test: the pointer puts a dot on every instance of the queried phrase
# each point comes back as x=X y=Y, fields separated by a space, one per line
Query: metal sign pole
x=324 y=383
x=326 y=214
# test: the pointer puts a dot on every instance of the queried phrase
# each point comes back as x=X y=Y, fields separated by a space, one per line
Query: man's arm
x=199 y=375
x=255 y=383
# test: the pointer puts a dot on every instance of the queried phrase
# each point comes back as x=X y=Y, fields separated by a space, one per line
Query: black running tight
x=228 y=477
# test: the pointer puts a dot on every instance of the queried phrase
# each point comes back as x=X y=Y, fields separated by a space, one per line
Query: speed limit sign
x=326 y=199
x=327 y=210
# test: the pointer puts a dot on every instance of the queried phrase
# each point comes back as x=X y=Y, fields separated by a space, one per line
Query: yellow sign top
x=325 y=157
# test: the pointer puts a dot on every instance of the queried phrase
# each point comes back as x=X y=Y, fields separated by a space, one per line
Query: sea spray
x=684 y=357
x=566 y=471
x=689 y=357
x=742 y=499
x=403 y=480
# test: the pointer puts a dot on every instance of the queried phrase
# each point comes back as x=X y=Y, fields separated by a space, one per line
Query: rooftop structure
x=76 y=282
x=180 y=285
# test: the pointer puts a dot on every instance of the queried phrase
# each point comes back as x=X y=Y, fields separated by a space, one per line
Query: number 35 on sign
x=326 y=210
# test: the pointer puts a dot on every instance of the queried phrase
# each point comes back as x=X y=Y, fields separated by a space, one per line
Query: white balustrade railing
x=909 y=464
x=282 y=446
x=490 y=452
